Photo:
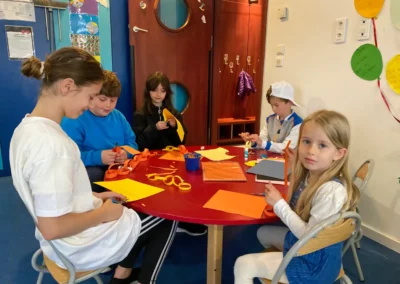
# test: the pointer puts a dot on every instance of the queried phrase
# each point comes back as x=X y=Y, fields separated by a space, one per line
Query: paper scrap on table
x=173 y=156
x=131 y=189
x=237 y=203
x=218 y=154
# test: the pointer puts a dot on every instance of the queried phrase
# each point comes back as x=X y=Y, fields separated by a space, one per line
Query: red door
x=183 y=55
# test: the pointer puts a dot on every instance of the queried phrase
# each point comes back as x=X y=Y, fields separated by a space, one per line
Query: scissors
x=171 y=180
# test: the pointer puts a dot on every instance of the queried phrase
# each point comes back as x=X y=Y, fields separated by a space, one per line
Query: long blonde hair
x=337 y=128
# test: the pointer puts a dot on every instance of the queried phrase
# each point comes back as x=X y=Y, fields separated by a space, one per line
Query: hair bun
x=32 y=67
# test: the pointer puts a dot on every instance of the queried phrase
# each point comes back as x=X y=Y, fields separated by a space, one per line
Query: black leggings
x=155 y=238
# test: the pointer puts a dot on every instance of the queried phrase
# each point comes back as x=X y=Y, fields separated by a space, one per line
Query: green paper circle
x=367 y=62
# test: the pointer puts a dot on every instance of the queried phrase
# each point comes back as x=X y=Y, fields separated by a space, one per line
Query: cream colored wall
x=321 y=74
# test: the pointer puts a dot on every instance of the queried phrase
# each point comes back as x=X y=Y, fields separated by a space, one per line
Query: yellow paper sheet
x=218 y=154
x=131 y=189
x=167 y=115
x=393 y=73
x=369 y=8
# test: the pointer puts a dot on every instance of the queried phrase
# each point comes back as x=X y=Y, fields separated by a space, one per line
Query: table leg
x=214 y=254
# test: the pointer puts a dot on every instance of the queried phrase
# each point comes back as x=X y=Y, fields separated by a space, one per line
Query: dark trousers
x=95 y=174
x=156 y=237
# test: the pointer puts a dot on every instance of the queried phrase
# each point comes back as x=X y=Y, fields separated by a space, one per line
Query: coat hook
x=143 y=5
x=237 y=60
x=226 y=59
x=249 y=60
x=231 y=66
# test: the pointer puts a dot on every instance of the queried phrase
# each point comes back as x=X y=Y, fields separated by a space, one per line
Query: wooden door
x=247 y=40
x=183 y=55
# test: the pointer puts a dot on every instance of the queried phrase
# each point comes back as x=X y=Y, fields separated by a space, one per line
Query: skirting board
x=387 y=241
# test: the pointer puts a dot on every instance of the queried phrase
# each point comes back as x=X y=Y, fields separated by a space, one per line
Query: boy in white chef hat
x=282 y=126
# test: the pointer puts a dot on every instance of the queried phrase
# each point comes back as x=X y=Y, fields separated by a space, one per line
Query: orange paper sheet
x=173 y=156
x=222 y=171
x=130 y=150
x=237 y=203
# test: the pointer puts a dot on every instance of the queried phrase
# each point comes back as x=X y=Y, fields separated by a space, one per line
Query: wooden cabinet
x=230 y=128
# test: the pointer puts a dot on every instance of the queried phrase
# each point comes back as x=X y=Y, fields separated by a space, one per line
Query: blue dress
x=320 y=267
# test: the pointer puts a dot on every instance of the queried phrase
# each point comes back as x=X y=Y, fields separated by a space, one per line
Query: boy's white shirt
x=279 y=147
x=52 y=181
x=328 y=201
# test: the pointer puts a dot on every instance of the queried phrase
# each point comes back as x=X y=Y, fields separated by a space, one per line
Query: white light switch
x=280 y=49
x=340 y=30
x=364 y=29
x=279 y=61
x=282 y=12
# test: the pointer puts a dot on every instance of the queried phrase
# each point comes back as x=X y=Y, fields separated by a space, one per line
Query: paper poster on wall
x=17 y=10
x=103 y=2
x=395 y=13
x=84 y=7
x=367 y=62
x=84 y=24
x=369 y=8
x=89 y=43
x=20 y=42
x=393 y=73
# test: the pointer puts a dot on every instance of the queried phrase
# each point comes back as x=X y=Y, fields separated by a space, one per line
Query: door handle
x=136 y=29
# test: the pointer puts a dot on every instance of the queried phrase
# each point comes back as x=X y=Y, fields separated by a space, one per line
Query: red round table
x=187 y=206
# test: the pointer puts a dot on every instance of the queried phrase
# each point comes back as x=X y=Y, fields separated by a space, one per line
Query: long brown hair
x=67 y=62
x=152 y=82
x=337 y=128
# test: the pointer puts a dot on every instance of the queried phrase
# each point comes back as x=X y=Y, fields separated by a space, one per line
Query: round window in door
x=172 y=15
x=180 y=98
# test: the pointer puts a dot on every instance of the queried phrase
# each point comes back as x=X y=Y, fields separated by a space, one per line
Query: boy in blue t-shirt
x=99 y=129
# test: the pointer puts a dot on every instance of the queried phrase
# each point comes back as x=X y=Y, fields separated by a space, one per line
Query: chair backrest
x=337 y=228
x=70 y=267
x=363 y=174
x=330 y=235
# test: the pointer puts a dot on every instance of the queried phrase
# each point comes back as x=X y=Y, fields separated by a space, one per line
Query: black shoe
x=131 y=278
x=192 y=229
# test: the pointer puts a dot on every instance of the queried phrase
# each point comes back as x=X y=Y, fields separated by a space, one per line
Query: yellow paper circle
x=369 y=8
x=393 y=73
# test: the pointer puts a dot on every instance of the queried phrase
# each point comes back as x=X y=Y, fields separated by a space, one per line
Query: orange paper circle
x=369 y=8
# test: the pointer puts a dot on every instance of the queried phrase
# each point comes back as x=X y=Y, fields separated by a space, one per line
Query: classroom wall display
x=395 y=13
x=366 y=61
x=393 y=73
x=84 y=26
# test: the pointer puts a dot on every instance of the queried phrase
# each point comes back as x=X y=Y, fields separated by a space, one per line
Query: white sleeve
x=328 y=201
x=293 y=136
x=264 y=136
x=51 y=182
